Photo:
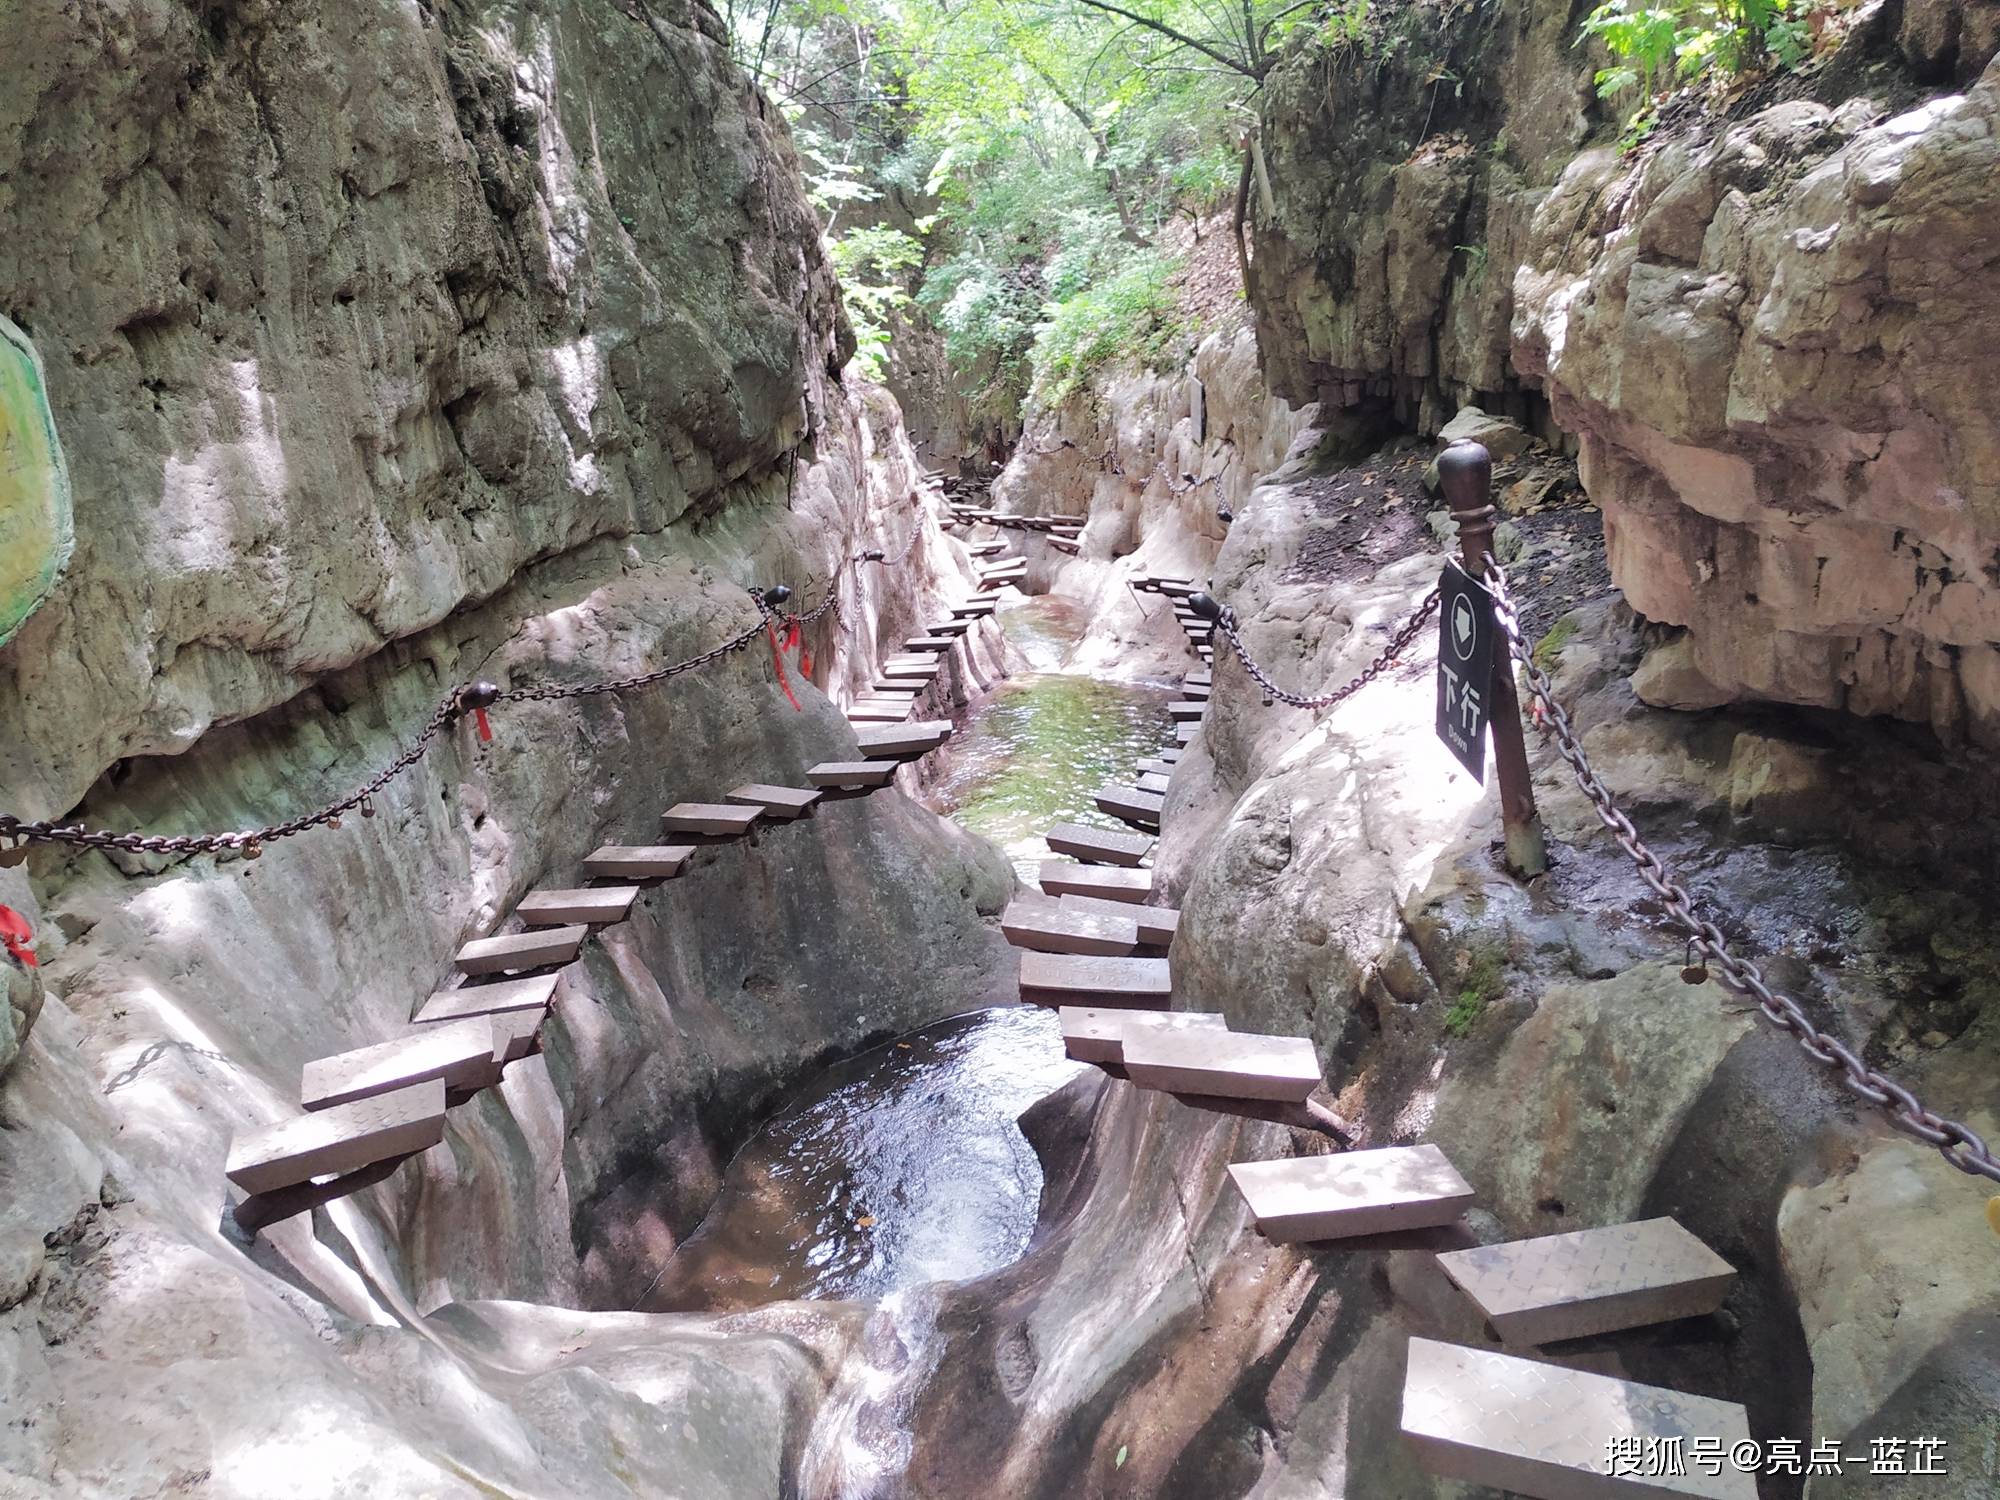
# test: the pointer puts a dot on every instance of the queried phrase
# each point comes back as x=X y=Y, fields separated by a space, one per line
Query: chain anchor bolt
x=1205 y=607
x=777 y=596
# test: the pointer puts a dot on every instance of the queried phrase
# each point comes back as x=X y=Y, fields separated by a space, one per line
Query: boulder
x=1497 y=435
x=1668 y=677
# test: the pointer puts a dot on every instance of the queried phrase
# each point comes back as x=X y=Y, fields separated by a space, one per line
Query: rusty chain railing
x=1224 y=619
x=877 y=555
x=1956 y=1142
x=17 y=834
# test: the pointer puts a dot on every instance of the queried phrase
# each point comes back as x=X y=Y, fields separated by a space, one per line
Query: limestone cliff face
x=1151 y=461
x=1338 y=878
x=395 y=345
x=353 y=310
x=1768 y=333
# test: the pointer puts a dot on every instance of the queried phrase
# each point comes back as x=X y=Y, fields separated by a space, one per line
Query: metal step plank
x=1540 y=1430
x=1047 y=927
x=1096 y=1034
x=1062 y=877
x=342 y=1139
x=1590 y=1281
x=1240 y=1065
x=1099 y=846
x=1304 y=1198
x=1070 y=979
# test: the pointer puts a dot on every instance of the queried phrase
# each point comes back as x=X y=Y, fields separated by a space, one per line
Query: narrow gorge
x=656 y=837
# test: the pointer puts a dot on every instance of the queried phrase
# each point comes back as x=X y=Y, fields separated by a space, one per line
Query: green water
x=1041 y=744
x=905 y=1165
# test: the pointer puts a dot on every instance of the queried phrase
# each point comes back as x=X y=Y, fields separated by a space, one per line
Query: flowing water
x=904 y=1166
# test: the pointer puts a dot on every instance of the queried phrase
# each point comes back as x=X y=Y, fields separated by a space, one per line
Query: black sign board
x=1465 y=667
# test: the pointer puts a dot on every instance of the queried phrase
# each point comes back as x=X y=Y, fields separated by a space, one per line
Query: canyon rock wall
x=1767 y=332
x=398 y=345
x=1339 y=877
x=1151 y=462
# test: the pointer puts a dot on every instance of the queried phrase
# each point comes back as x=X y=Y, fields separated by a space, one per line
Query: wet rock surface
x=1766 y=330
x=452 y=351
x=1339 y=879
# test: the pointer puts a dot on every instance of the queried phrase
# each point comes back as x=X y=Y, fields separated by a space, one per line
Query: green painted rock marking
x=35 y=528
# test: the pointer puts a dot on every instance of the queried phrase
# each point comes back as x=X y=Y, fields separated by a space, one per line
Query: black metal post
x=1465 y=472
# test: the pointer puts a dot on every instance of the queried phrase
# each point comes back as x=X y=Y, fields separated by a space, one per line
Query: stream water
x=904 y=1165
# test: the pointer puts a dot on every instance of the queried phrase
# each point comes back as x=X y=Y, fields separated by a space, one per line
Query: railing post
x=1465 y=472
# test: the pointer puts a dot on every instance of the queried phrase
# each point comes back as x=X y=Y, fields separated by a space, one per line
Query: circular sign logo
x=1464 y=627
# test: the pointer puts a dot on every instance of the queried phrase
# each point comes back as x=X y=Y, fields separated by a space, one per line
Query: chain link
x=909 y=547
x=1398 y=643
x=450 y=709
x=1956 y=1142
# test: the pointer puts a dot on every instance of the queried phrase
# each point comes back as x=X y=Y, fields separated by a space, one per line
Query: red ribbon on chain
x=485 y=729
x=778 y=656
x=16 y=935
x=795 y=636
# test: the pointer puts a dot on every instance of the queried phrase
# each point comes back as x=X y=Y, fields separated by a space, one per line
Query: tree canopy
x=1009 y=165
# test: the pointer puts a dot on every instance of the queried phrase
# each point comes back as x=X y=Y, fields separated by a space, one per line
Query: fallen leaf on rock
x=866 y=1221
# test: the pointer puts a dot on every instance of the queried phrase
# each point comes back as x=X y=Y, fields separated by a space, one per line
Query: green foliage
x=1661 y=42
x=1129 y=315
x=1205 y=179
x=1482 y=981
x=1346 y=23
x=1548 y=650
x=1039 y=146
x=869 y=263
x=987 y=316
